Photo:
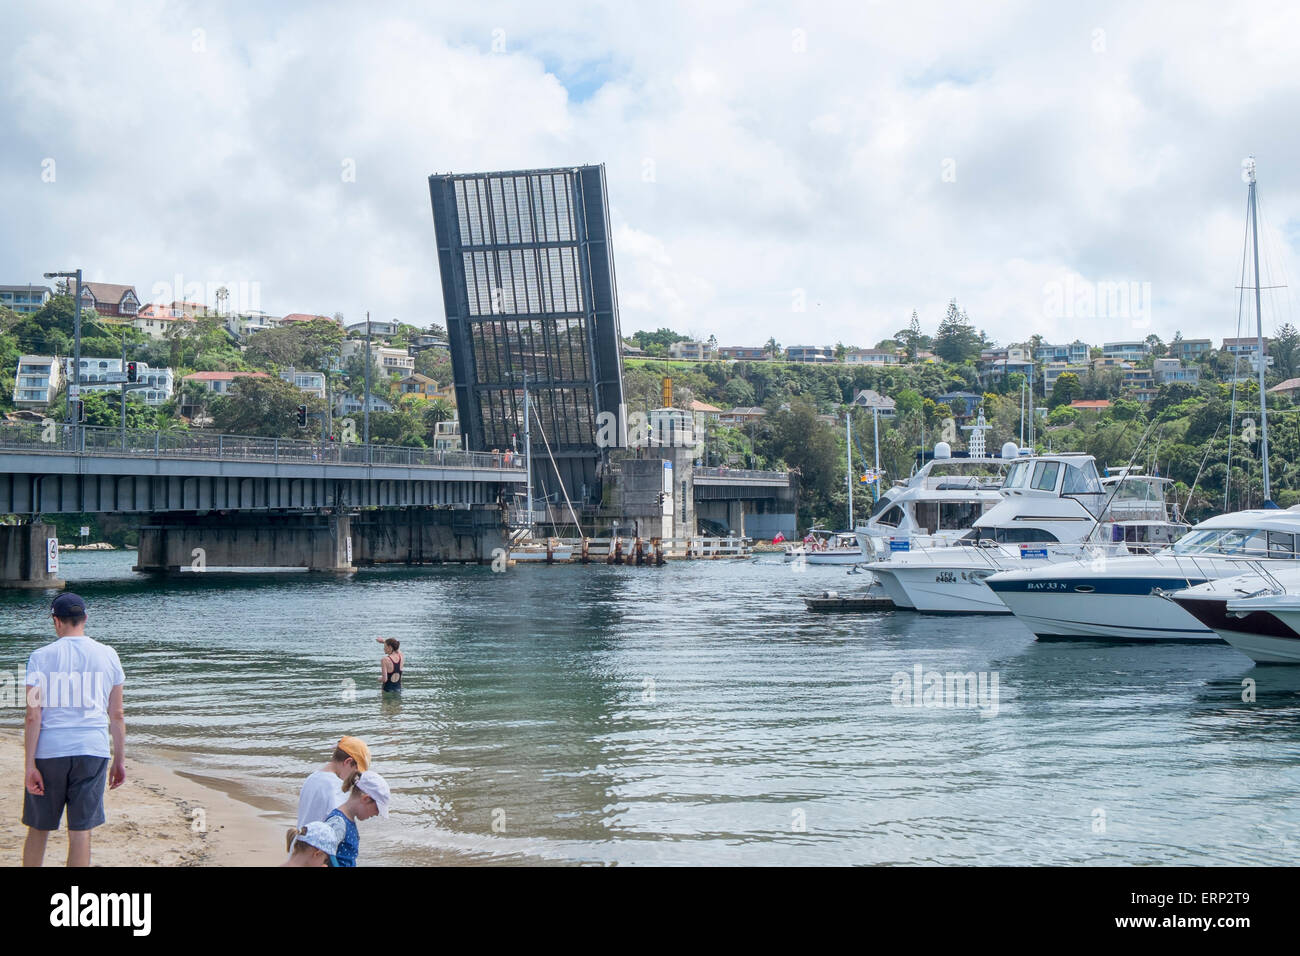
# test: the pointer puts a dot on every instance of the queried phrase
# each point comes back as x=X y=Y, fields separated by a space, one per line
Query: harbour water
x=695 y=713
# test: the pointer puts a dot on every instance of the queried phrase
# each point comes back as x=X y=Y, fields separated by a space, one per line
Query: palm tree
x=438 y=410
x=194 y=394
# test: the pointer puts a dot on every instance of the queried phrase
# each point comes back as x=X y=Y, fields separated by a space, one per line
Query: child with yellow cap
x=323 y=790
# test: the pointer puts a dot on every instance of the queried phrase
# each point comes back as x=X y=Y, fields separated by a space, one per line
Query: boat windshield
x=1018 y=475
x=949 y=515
x=1237 y=542
x=1008 y=535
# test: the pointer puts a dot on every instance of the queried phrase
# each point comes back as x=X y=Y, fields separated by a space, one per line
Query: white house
x=37 y=381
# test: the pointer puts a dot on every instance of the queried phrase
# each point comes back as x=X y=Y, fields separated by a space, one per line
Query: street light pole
x=123 y=391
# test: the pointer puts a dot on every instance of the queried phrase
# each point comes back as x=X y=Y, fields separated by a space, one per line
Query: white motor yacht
x=1121 y=597
x=938 y=504
x=1053 y=509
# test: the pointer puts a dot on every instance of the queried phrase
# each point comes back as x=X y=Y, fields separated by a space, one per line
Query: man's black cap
x=68 y=604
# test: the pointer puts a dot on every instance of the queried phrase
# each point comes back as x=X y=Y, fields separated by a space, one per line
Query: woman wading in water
x=390 y=675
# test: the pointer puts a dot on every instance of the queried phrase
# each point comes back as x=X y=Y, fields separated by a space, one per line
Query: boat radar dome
x=942 y=450
x=1009 y=450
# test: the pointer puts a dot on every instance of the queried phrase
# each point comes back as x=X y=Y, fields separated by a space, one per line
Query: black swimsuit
x=393 y=679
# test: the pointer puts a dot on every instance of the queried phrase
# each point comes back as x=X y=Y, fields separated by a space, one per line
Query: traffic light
x=302 y=416
x=132 y=371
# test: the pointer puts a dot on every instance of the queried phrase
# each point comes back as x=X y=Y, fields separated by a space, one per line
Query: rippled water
x=693 y=714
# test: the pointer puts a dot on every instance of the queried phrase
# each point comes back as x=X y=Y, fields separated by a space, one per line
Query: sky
x=811 y=173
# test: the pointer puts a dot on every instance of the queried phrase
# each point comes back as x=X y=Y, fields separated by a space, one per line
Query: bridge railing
x=60 y=439
x=741 y=474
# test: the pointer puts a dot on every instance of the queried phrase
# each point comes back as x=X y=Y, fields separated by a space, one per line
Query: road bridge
x=242 y=501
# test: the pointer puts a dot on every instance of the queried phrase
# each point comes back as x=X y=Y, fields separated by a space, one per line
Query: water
x=695 y=713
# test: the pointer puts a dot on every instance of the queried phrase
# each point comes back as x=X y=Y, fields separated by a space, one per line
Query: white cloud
x=881 y=158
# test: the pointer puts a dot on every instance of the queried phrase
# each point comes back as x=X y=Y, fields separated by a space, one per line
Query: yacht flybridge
x=935 y=506
x=1053 y=508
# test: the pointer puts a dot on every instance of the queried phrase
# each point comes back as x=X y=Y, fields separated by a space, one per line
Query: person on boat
x=368 y=795
x=390 y=667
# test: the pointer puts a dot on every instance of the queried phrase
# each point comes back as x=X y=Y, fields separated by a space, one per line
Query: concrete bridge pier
x=242 y=540
x=428 y=535
x=25 y=554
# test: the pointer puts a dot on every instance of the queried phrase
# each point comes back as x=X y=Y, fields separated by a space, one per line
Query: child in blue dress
x=367 y=795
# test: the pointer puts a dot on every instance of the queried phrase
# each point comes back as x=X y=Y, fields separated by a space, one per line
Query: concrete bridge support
x=24 y=556
x=204 y=542
x=427 y=535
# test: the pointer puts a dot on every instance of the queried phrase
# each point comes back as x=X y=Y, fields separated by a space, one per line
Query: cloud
x=878 y=158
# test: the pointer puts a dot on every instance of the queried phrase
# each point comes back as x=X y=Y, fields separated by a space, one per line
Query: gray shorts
x=74 y=782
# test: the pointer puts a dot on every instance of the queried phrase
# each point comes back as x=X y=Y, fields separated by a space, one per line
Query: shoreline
x=162 y=816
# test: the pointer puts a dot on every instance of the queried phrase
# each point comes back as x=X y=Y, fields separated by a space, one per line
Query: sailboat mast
x=875 y=423
x=848 y=460
x=1259 y=334
x=528 y=451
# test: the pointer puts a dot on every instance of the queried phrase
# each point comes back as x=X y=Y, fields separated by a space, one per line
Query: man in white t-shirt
x=74 y=706
x=323 y=790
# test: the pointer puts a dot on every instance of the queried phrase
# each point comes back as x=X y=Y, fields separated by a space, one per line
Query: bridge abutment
x=211 y=541
x=24 y=556
x=427 y=535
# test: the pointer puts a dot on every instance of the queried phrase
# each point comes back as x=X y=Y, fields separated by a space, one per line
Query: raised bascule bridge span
x=239 y=501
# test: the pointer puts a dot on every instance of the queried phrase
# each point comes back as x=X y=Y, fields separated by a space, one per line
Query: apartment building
x=37 y=381
x=24 y=299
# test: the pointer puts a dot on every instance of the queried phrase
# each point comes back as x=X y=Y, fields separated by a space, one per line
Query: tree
x=263 y=406
x=910 y=337
x=773 y=348
x=957 y=340
x=796 y=437
x=301 y=345
x=656 y=343
x=1285 y=349
x=1067 y=389
x=1155 y=346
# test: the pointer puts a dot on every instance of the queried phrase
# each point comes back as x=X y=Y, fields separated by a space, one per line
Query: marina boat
x=1258 y=612
x=825 y=547
x=549 y=550
x=1053 y=509
x=1121 y=597
x=938 y=504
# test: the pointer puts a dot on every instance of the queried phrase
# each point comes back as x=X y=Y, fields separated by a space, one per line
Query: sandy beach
x=159 y=817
